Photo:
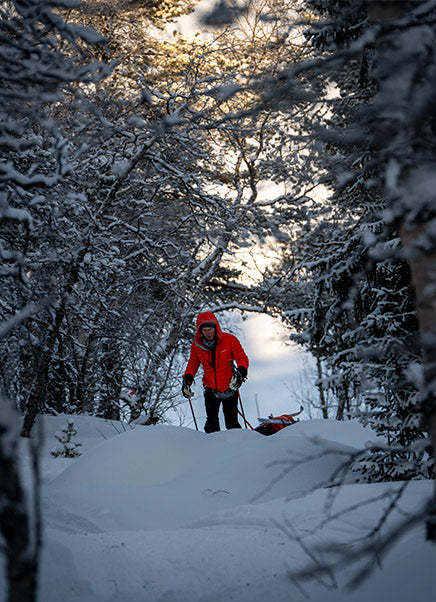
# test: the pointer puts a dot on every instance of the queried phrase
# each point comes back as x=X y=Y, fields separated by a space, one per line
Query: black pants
x=230 y=410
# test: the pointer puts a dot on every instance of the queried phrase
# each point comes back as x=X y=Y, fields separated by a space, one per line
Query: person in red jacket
x=225 y=366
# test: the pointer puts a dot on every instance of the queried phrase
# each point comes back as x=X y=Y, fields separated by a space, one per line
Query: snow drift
x=167 y=513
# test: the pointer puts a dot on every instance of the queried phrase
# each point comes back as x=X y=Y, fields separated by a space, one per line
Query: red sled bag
x=273 y=424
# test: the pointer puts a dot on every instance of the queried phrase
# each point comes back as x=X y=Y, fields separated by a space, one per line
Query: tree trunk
x=322 y=399
x=341 y=405
x=382 y=10
x=423 y=269
x=20 y=533
x=37 y=394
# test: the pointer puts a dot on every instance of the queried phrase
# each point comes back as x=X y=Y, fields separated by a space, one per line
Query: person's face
x=208 y=332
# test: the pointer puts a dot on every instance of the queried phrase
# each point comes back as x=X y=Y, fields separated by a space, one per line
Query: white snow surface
x=166 y=513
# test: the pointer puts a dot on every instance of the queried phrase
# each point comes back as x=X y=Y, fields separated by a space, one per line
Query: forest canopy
x=144 y=169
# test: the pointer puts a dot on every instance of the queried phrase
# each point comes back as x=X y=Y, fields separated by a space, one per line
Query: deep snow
x=167 y=513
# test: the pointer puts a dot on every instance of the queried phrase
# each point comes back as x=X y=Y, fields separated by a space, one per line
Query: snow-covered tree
x=404 y=36
x=354 y=307
x=41 y=62
x=160 y=195
x=68 y=446
x=385 y=147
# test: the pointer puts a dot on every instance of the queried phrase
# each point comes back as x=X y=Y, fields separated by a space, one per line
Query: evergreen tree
x=357 y=314
x=69 y=447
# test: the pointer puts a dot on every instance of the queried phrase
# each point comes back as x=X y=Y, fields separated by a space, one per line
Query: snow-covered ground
x=167 y=513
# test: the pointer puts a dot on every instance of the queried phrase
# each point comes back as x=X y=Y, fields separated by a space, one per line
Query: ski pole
x=243 y=413
x=193 y=415
x=246 y=421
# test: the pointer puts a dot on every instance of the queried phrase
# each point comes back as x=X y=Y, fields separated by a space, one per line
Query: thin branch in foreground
x=371 y=552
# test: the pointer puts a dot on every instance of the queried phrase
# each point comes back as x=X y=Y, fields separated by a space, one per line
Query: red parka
x=228 y=348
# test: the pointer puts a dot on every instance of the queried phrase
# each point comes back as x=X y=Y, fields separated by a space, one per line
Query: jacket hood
x=203 y=318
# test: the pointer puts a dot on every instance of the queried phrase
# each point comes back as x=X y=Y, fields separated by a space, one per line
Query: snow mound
x=143 y=456
x=350 y=432
x=174 y=476
x=166 y=513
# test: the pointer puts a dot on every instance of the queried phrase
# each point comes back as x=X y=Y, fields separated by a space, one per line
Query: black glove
x=238 y=378
x=187 y=392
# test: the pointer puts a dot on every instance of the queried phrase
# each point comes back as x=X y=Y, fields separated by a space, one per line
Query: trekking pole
x=243 y=413
x=193 y=415
x=246 y=421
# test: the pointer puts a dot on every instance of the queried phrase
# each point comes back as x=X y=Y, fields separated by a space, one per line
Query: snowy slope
x=168 y=513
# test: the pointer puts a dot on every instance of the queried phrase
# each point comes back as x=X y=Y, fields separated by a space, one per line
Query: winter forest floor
x=167 y=513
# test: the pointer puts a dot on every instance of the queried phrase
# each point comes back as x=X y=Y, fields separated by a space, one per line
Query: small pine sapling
x=70 y=448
